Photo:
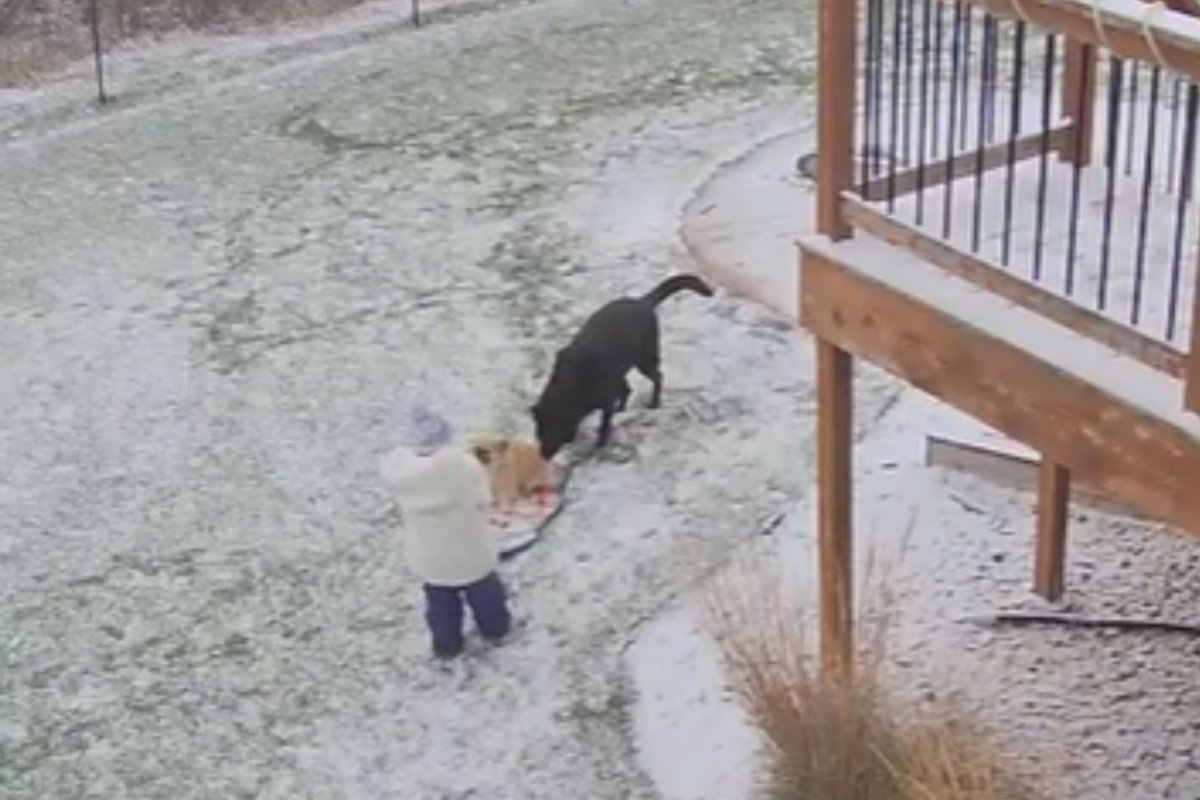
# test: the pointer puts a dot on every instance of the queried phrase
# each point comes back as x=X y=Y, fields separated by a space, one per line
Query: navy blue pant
x=444 y=613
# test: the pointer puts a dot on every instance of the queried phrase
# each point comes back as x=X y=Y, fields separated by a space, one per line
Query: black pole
x=985 y=54
x=991 y=73
x=939 y=50
x=909 y=35
x=416 y=13
x=1115 y=79
x=1181 y=209
x=101 y=96
x=923 y=116
x=894 y=137
x=1077 y=177
x=1014 y=129
x=969 y=26
x=1173 y=139
x=1139 y=273
x=1133 y=99
x=877 y=104
x=951 y=119
x=870 y=56
x=1047 y=104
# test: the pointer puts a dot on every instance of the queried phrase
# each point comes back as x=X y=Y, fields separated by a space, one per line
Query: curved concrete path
x=742 y=223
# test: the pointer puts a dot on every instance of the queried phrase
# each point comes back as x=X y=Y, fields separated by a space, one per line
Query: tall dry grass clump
x=828 y=740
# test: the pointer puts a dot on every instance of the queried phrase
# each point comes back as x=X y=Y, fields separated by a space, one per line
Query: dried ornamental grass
x=830 y=740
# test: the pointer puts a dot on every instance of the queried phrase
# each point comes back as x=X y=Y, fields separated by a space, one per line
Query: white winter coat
x=445 y=499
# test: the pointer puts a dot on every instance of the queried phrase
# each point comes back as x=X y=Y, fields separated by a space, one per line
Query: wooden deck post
x=1053 y=499
x=1079 y=100
x=836 y=84
x=835 y=539
x=835 y=171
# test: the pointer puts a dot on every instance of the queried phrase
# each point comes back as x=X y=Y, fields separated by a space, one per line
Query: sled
x=528 y=520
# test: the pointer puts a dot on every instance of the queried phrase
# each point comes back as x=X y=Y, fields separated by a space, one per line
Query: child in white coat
x=445 y=498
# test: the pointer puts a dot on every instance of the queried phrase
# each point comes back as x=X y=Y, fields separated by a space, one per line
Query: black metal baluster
x=1187 y=165
x=968 y=29
x=1017 y=88
x=1086 y=66
x=989 y=24
x=923 y=114
x=893 y=153
x=870 y=57
x=1113 y=138
x=1048 y=74
x=1139 y=271
x=951 y=120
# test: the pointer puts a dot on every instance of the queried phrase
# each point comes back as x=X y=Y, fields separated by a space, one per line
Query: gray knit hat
x=422 y=428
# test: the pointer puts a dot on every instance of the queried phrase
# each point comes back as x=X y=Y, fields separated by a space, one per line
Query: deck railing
x=1043 y=149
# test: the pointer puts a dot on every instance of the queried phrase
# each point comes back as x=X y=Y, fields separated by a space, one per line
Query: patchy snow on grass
x=213 y=294
x=214 y=297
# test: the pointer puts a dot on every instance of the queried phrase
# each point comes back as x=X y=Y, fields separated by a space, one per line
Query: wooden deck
x=1113 y=422
x=1079 y=360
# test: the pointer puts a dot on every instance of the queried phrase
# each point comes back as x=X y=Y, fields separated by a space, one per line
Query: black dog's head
x=556 y=414
x=553 y=428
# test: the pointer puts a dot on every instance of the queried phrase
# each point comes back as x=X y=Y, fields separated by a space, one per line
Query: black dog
x=589 y=373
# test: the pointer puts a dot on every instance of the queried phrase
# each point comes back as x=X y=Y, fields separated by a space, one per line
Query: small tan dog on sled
x=515 y=469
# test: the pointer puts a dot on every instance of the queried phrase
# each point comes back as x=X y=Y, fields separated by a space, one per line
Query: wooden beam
x=834 y=508
x=836 y=46
x=990 y=276
x=1054 y=491
x=1012 y=471
x=1131 y=454
x=1176 y=35
x=963 y=164
x=1079 y=101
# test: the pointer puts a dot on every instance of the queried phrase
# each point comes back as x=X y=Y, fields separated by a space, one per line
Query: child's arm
x=480 y=487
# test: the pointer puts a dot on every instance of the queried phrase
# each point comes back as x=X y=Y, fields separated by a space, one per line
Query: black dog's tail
x=677 y=283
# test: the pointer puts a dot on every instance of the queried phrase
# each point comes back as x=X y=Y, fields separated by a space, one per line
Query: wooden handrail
x=1102 y=23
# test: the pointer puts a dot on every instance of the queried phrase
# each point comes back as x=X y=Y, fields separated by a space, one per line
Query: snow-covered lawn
x=212 y=298
x=212 y=295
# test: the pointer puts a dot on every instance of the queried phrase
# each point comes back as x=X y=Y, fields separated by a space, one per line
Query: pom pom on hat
x=422 y=428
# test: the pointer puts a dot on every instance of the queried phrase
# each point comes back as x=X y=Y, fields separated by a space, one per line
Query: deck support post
x=1053 y=499
x=835 y=172
x=835 y=113
x=835 y=540
x=1079 y=100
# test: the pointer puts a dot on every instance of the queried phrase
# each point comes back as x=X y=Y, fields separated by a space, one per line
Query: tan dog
x=515 y=468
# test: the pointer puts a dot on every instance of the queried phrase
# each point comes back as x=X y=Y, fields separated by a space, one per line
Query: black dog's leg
x=657 y=378
x=650 y=364
x=650 y=367
x=606 y=417
x=623 y=397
